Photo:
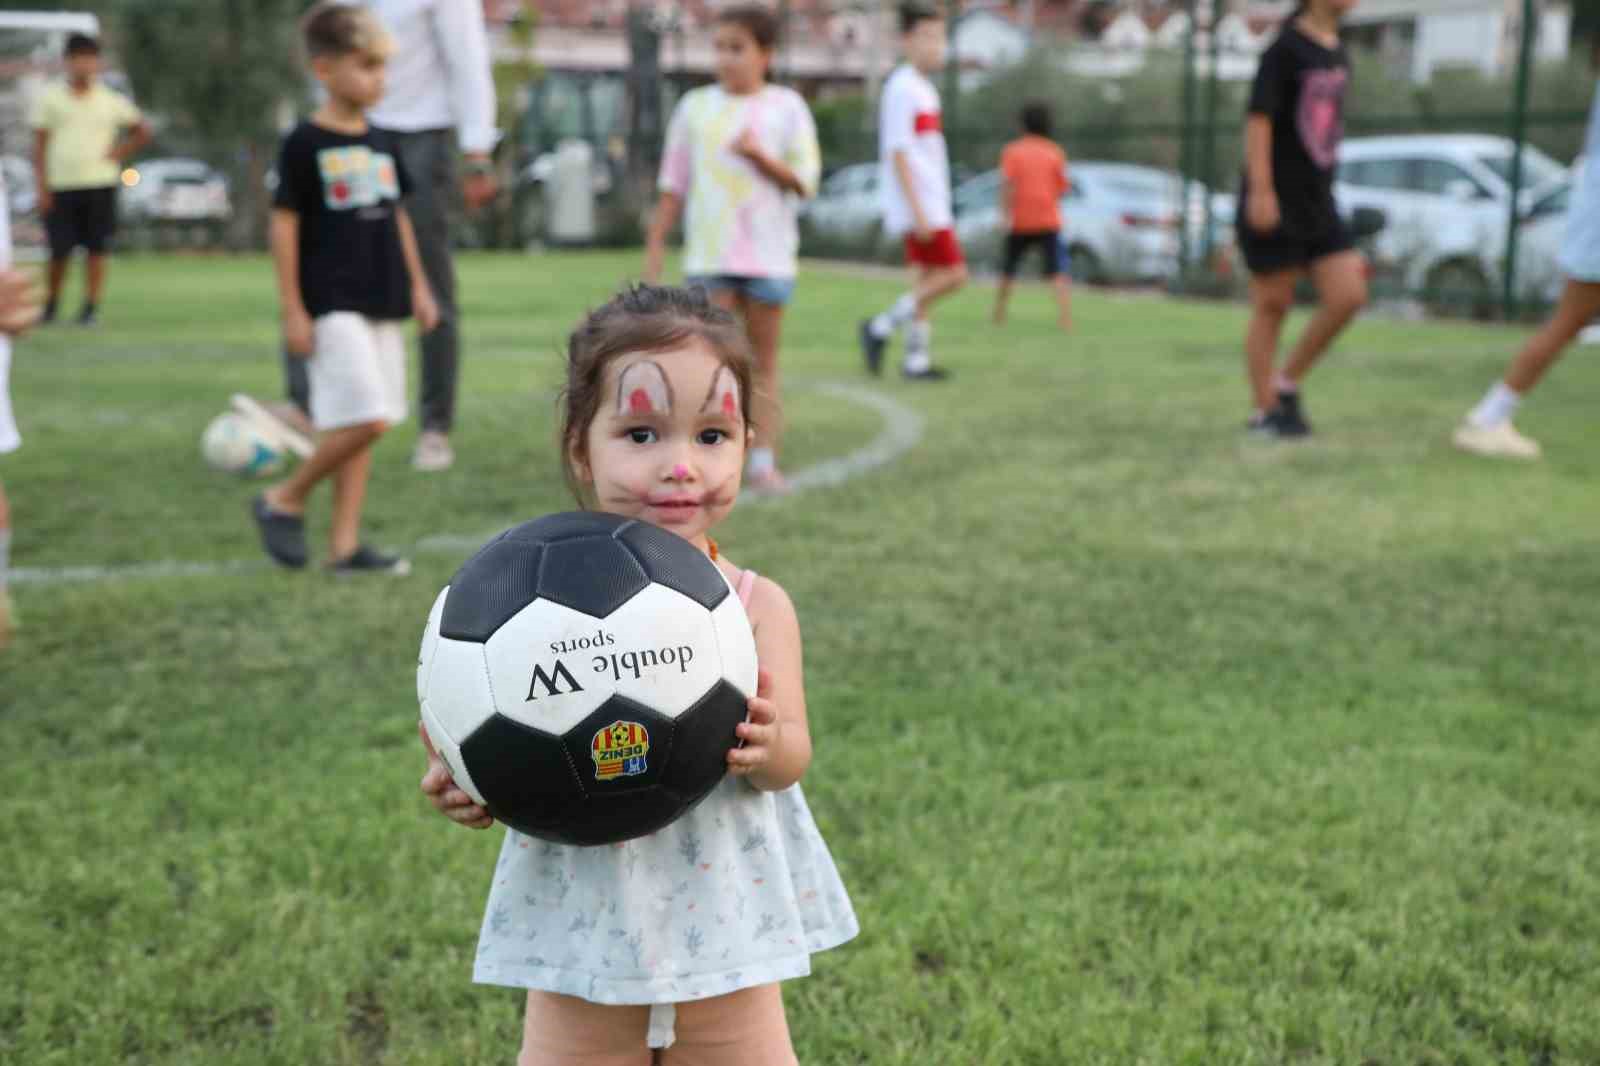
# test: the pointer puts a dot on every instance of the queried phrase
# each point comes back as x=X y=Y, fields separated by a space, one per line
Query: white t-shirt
x=909 y=119
x=739 y=221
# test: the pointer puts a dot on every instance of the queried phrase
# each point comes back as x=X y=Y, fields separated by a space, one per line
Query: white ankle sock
x=761 y=462
x=1498 y=405
x=902 y=311
x=919 y=342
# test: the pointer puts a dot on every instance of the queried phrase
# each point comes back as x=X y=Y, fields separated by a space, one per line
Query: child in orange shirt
x=1034 y=172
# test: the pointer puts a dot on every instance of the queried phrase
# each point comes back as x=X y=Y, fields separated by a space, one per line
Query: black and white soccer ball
x=583 y=674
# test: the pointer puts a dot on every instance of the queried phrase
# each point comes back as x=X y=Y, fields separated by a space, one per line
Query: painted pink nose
x=680 y=472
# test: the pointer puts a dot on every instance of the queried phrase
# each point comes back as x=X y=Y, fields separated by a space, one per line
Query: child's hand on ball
x=761 y=732
x=442 y=792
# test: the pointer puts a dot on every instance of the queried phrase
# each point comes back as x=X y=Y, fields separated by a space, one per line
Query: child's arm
x=777 y=741
x=284 y=236
x=902 y=173
x=774 y=170
x=668 y=207
x=422 y=302
x=1262 y=210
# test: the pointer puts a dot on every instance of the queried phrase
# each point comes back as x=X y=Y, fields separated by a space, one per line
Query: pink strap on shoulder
x=747 y=585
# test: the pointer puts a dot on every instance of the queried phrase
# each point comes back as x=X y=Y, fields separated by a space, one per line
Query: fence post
x=1208 y=173
x=1519 y=133
x=1186 y=147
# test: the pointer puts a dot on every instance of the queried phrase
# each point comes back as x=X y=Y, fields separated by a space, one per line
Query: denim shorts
x=775 y=291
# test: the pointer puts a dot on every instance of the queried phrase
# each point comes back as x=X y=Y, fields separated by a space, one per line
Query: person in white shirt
x=440 y=98
x=19 y=309
x=914 y=183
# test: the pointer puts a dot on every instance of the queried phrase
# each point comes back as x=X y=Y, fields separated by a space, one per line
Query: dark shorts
x=82 y=218
x=1269 y=253
x=1052 y=252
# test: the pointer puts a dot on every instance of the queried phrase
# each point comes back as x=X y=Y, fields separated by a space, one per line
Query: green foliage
x=1136 y=742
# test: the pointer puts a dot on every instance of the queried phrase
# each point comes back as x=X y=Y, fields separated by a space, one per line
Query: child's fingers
x=762 y=711
x=437 y=779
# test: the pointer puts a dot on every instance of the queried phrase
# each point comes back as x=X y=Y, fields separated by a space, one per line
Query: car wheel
x=1457 y=289
x=1086 y=268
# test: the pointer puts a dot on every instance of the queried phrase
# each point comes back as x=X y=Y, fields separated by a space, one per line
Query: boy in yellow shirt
x=79 y=150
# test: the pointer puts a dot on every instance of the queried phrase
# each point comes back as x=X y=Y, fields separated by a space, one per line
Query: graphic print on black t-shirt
x=346 y=190
x=1300 y=87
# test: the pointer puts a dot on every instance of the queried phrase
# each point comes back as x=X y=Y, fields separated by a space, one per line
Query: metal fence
x=1467 y=172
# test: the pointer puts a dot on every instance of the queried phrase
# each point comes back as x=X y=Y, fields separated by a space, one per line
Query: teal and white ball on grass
x=234 y=444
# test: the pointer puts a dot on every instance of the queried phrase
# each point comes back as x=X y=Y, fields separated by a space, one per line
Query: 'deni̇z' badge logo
x=619 y=750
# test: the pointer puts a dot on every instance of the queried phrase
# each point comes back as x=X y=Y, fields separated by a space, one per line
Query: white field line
x=902 y=430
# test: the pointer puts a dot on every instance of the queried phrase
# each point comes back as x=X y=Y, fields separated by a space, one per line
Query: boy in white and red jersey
x=914 y=184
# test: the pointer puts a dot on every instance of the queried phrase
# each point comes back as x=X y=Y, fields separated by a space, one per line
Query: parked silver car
x=1120 y=221
x=173 y=190
x=1447 y=198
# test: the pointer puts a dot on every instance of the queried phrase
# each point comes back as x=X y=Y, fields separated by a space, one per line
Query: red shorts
x=940 y=250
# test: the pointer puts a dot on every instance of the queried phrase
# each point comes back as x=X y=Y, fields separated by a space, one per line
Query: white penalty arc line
x=902 y=431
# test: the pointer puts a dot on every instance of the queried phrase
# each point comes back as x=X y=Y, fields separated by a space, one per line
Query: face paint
x=723 y=396
x=643 y=389
x=680 y=472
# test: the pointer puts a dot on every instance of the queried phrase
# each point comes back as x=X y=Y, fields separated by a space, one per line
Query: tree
x=221 y=72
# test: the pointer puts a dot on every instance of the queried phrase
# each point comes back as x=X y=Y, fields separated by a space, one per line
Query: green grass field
x=1136 y=742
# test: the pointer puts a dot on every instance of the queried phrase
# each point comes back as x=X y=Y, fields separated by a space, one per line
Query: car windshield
x=1537 y=168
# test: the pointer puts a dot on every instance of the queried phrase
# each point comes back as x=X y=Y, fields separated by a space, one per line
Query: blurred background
x=1463 y=128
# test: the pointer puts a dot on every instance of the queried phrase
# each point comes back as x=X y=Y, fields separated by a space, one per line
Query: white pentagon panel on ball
x=541 y=666
x=737 y=643
x=665 y=655
x=450 y=752
x=458 y=688
x=430 y=640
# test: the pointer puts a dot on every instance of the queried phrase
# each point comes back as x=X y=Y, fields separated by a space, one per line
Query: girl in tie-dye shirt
x=741 y=155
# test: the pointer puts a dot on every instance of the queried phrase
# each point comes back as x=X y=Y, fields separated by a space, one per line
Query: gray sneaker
x=365 y=560
x=433 y=452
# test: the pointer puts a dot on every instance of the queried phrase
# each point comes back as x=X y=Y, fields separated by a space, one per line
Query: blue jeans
x=774 y=291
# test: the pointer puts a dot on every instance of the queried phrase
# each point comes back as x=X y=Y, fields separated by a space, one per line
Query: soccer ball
x=583 y=675
x=235 y=445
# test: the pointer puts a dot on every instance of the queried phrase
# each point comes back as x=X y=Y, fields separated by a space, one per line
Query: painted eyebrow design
x=722 y=382
x=644 y=388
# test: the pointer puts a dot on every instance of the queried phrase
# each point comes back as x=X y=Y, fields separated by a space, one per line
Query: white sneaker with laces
x=433 y=452
x=1499 y=441
x=1591 y=335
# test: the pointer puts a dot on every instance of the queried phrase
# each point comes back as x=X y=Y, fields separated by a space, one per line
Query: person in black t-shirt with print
x=1289 y=224
x=348 y=275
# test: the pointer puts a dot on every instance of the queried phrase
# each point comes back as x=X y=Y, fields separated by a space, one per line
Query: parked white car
x=173 y=190
x=1447 y=201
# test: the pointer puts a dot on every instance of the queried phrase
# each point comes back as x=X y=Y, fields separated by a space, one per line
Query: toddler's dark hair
x=757 y=20
x=1036 y=118
x=81 y=44
x=913 y=12
x=642 y=318
x=333 y=29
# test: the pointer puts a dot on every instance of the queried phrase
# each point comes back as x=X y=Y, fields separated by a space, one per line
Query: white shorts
x=357 y=371
x=10 y=439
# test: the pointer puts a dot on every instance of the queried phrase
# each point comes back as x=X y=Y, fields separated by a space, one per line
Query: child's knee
x=374 y=430
x=1274 y=301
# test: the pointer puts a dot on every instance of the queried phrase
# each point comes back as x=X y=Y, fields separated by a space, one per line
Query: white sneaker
x=1501 y=441
x=433 y=452
x=273 y=425
x=1591 y=335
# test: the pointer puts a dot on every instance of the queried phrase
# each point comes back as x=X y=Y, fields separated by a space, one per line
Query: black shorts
x=1051 y=249
x=1269 y=253
x=82 y=218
